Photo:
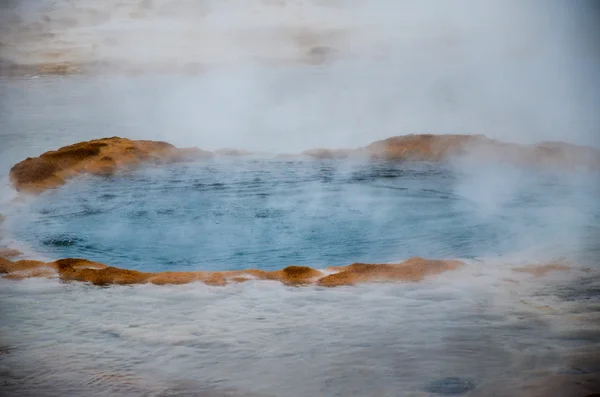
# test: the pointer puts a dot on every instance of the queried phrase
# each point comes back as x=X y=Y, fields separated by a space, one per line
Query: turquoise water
x=268 y=214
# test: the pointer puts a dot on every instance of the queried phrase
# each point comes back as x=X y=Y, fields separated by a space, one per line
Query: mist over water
x=252 y=213
x=281 y=77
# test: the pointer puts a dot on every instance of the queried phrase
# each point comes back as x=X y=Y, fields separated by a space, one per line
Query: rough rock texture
x=76 y=269
x=7 y=266
x=100 y=157
x=97 y=273
x=428 y=147
x=107 y=155
x=414 y=269
x=208 y=278
x=424 y=147
x=478 y=148
x=297 y=275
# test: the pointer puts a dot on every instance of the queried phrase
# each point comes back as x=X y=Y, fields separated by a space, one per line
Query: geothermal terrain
x=299 y=198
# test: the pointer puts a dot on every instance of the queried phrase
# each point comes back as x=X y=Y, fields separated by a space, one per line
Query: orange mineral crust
x=83 y=270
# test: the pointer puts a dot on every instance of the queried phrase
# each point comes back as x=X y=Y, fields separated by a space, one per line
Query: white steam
x=517 y=71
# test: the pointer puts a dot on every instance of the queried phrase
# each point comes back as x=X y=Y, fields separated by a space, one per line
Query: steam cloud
x=515 y=71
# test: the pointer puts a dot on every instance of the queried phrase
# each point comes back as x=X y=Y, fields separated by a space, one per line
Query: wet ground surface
x=464 y=332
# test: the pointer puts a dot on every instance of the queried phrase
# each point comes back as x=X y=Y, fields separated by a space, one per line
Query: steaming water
x=274 y=341
x=268 y=214
x=265 y=339
x=515 y=72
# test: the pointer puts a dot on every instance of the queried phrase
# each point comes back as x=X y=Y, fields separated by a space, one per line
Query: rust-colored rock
x=542 y=270
x=83 y=270
x=106 y=156
x=216 y=279
x=100 y=157
x=210 y=278
x=440 y=148
x=423 y=147
x=247 y=274
x=7 y=266
x=296 y=275
x=239 y=279
x=414 y=269
x=75 y=269
x=165 y=278
x=105 y=166
x=429 y=147
x=108 y=275
x=76 y=263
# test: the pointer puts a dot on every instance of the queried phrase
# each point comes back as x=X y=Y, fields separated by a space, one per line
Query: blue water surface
x=254 y=213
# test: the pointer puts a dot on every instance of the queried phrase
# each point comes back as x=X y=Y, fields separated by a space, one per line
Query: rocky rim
x=75 y=269
x=108 y=155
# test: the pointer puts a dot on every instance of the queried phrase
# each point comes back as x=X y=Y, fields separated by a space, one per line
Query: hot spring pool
x=492 y=328
x=250 y=213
